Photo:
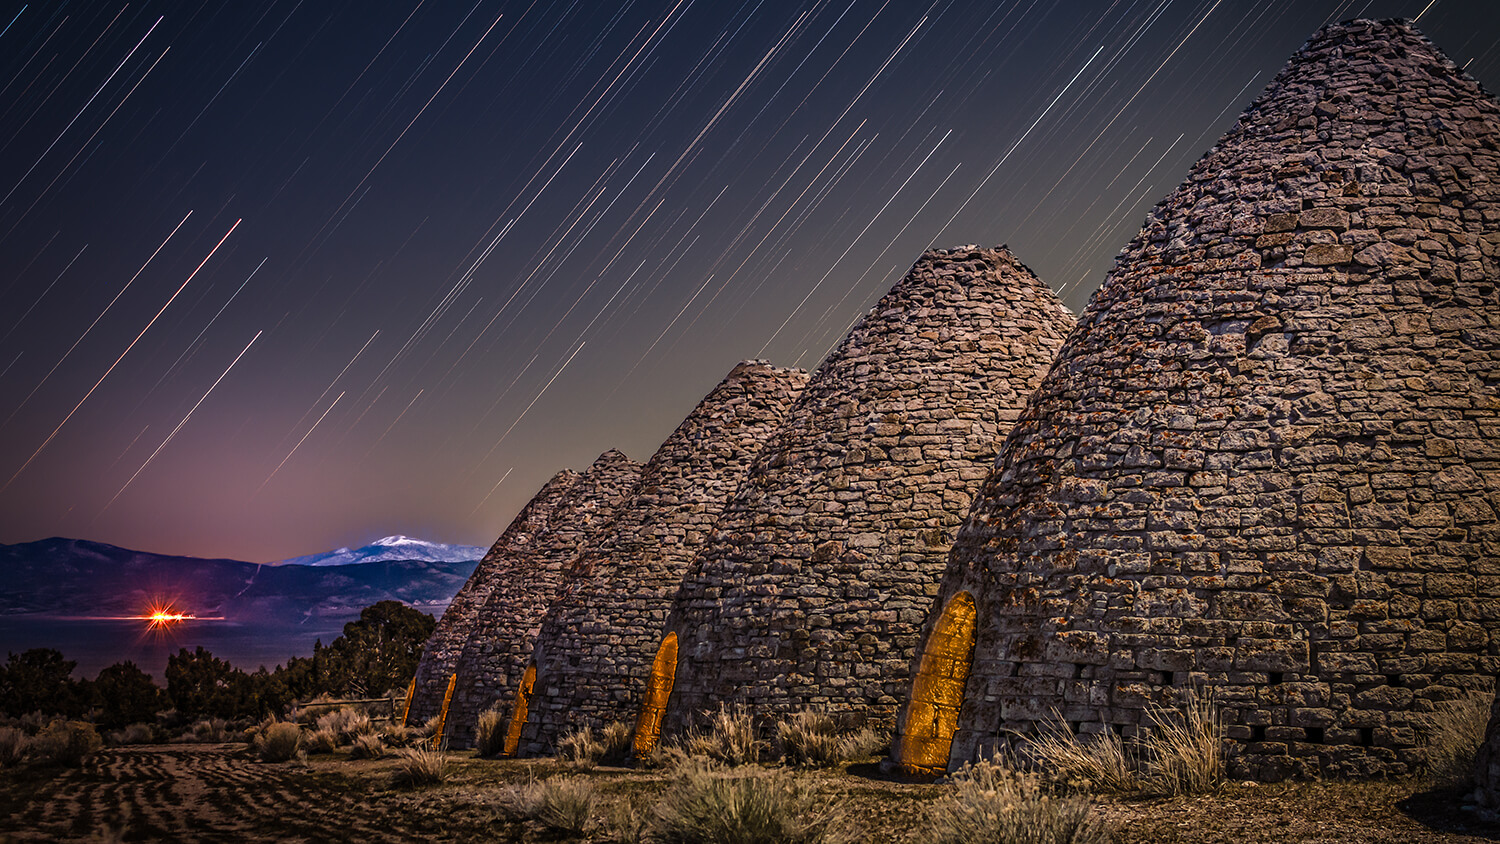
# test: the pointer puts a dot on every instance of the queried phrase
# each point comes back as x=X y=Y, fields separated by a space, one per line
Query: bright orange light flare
x=163 y=617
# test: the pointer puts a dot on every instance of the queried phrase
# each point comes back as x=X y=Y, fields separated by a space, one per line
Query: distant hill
x=85 y=598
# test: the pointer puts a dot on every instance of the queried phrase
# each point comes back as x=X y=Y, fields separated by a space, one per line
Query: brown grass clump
x=809 y=738
x=320 y=741
x=278 y=742
x=489 y=733
x=616 y=738
x=419 y=766
x=564 y=805
x=346 y=723
x=1185 y=749
x=994 y=803
x=397 y=735
x=740 y=807
x=136 y=734
x=816 y=740
x=1097 y=764
x=1453 y=732
x=580 y=748
x=211 y=731
x=731 y=738
x=65 y=743
x=368 y=746
x=12 y=746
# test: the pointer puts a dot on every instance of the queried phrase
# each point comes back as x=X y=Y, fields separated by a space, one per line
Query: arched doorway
x=938 y=691
x=518 y=714
x=658 y=689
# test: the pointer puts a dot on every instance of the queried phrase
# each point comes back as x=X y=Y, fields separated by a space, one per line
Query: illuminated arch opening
x=938 y=692
x=658 y=689
x=518 y=714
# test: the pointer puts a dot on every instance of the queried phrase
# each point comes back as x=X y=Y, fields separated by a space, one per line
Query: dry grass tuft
x=346 y=723
x=809 y=738
x=581 y=748
x=489 y=734
x=1453 y=732
x=616 y=738
x=740 y=807
x=369 y=746
x=815 y=740
x=278 y=742
x=12 y=746
x=211 y=731
x=419 y=766
x=731 y=738
x=1097 y=764
x=1185 y=749
x=994 y=803
x=564 y=805
x=396 y=735
x=321 y=741
x=137 y=734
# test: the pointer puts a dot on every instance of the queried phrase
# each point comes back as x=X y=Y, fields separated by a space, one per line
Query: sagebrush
x=278 y=742
x=65 y=743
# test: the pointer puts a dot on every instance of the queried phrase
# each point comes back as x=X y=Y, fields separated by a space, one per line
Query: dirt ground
x=220 y=793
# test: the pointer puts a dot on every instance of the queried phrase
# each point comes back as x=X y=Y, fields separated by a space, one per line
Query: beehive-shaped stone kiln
x=597 y=641
x=813 y=588
x=499 y=646
x=1267 y=463
x=440 y=653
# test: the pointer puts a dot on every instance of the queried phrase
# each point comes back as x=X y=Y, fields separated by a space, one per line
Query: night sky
x=277 y=277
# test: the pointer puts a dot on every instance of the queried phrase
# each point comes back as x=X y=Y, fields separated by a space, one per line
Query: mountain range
x=89 y=599
x=390 y=548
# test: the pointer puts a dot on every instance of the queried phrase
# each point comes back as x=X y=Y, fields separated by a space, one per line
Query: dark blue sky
x=278 y=277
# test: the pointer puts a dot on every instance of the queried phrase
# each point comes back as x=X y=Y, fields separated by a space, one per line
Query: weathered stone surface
x=1266 y=463
x=524 y=584
x=812 y=589
x=440 y=654
x=599 y=637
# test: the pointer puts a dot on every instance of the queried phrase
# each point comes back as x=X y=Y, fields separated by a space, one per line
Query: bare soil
x=221 y=793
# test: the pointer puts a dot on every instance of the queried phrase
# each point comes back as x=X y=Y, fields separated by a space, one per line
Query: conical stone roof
x=1267 y=463
x=812 y=589
x=597 y=642
x=441 y=652
x=499 y=646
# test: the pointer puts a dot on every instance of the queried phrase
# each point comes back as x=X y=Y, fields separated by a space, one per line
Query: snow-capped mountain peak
x=390 y=548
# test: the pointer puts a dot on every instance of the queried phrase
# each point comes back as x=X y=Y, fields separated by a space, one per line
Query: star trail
x=277 y=277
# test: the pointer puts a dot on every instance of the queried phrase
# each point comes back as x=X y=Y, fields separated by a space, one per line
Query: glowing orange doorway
x=658 y=689
x=518 y=714
x=938 y=692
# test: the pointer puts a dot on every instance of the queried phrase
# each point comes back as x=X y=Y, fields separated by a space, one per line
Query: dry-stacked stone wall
x=440 y=653
x=597 y=642
x=500 y=644
x=1267 y=463
x=812 y=590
